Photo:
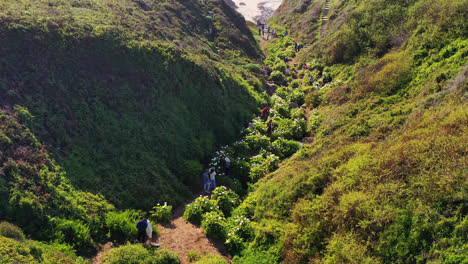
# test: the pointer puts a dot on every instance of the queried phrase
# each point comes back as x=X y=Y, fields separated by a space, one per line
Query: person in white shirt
x=149 y=231
x=212 y=178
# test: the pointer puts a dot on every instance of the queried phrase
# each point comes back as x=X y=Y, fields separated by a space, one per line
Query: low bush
x=73 y=232
x=139 y=254
x=290 y=129
x=210 y=259
x=257 y=142
x=122 y=224
x=214 y=224
x=252 y=67
x=161 y=214
x=262 y=164
x=277 y=77
x=11 y=231
x=284 y=148
x=194 y=212
x=225 y=199
x=193 y=256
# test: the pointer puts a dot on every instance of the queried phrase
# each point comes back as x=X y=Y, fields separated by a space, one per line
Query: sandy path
x=181 y=237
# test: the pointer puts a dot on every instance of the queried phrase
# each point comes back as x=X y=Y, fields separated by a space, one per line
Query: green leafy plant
x=162 y=214
x=225 y=200
x=122 y=224
x=213 y=225
x=139 y=254
x=194 y=212
x=11 y=231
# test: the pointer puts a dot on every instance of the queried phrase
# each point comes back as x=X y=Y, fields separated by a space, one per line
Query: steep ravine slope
x=384 y=179
x=129 y=95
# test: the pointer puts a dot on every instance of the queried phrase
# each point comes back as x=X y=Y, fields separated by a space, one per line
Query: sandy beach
x=255 y=9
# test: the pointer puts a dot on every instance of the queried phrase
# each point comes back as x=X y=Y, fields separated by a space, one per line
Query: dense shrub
x=122 y=224
x=284 y=148
x=214 y=225
x=32 y=252
x=262 y=164
x=290 y=129
x=257 y=142
x=193 y=256
x=11 y=231
x=162 y=214
x=190 y=172
x=226 y=200
x=74 y=232
x=277 y=77
x=194 y=212
x=252 y=67
x=139 y=254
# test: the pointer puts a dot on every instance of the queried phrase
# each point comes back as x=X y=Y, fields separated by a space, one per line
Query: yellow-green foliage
x=28 y=251
x=210 y=259
x=384 y=179
x=139 y=254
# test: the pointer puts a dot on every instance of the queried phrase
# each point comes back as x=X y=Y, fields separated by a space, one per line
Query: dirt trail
x=181 y=237
x=106 y=247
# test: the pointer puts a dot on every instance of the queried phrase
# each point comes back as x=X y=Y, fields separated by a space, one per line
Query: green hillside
x=381 y=176
x=36 y=195
x=112 y=106
x=384 y=179
x=129 y=95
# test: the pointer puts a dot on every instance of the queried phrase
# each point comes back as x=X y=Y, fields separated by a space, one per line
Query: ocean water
x=255 y=9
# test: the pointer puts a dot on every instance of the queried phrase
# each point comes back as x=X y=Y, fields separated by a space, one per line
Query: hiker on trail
x=228 y=165
x=263 y=29
x=212 y=173
x=141 y=226
x=211 y=29
x=270 y=128
x=311 y=80
x=225 y=164
x=273 y=34
x=149 y=231
x=265 y=113
x=259 y=30
x=206 y=181
x=285 y=32
x=287 y=71
x=268 y=35
x=295 y=47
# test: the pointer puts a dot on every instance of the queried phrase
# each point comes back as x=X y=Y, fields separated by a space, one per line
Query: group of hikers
x=209 y=175
x=145 y=232
x=326 y=78
x=264 y=28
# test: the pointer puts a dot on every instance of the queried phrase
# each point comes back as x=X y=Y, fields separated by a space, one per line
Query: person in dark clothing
x=270 y=128
x=141 y=226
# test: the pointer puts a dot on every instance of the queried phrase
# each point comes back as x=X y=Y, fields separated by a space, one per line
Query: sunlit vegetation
x=384 y=179
x=366 y=162
x=126 y=92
